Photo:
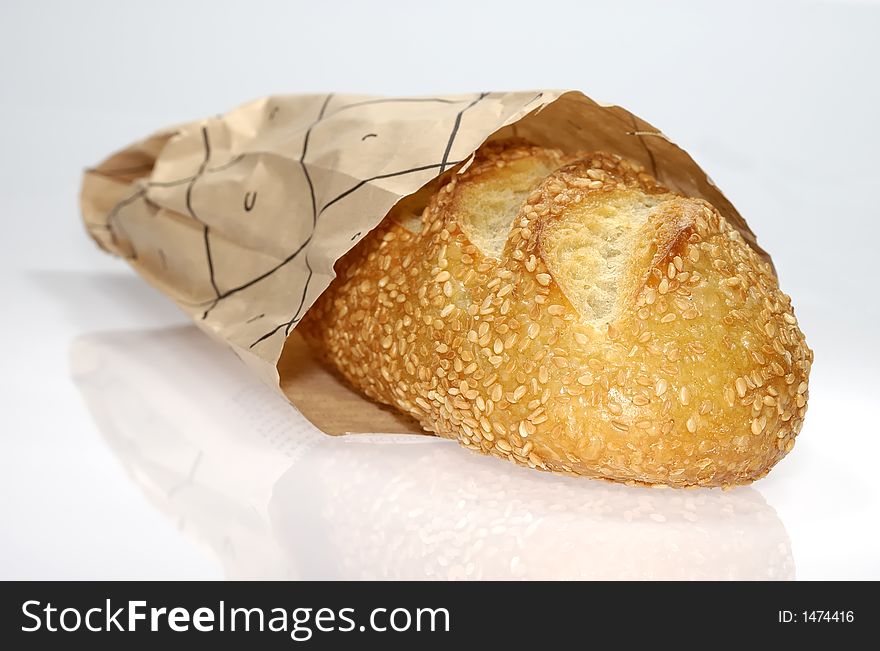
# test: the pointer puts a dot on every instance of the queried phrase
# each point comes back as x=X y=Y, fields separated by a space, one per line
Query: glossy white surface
x=135 y=448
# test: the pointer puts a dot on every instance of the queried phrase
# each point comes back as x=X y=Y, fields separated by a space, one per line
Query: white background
x=778 y=101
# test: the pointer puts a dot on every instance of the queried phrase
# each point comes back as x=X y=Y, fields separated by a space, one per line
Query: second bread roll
x=569 y=313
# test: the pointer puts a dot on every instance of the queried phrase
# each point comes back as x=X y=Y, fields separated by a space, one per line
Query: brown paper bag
x=240 y=218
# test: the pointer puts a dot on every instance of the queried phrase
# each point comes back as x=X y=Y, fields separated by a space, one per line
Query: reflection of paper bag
x=240 y=218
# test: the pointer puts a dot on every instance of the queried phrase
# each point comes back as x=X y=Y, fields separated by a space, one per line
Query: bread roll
x=569 y=313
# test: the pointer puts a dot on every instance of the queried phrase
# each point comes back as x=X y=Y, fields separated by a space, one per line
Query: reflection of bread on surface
x=380 y=507
x=569 y=313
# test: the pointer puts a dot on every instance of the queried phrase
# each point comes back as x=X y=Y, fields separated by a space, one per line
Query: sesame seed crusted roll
x=568 y=313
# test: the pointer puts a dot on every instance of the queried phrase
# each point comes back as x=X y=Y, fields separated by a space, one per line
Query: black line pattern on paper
x=112 y=220
x=296 y=316
x=389 y=175
x=253 y=281
x=442 y=165
x=292 y=256
x=250 y=198
x=141 y=193
x=206 y=231
x=455 y=132
x=302 y=159
x=351 y=190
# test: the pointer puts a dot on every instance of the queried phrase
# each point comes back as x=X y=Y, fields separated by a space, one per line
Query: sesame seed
x=663 y=287
x=758 y=425
x=660 y=387
x=442 y=277
x=543 y=279
x=741 y=387
x=543 y=375
x=586 y=379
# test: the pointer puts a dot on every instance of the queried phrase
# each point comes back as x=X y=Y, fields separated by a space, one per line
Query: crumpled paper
x=240 y=218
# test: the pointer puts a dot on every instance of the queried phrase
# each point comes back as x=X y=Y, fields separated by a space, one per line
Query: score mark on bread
x=567 y=312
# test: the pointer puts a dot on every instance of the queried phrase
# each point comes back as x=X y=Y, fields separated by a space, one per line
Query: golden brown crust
x=696 y=375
